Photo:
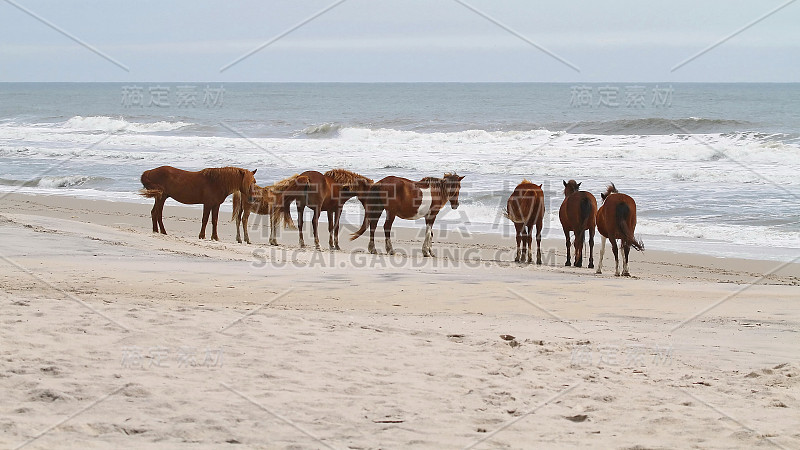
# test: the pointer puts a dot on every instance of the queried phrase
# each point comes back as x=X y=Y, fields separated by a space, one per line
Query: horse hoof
x=598 y=272
x=616 y=274
x=626 y=274
x=337 y=248
x=567 y=264
x=273 y=242
x=591 y=265
x=516 y=260
x=578 y=264
x=539 y=262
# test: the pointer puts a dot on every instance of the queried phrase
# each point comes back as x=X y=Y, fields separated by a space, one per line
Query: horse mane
x=611 y=189
x=284 y=184
x=347 y=178
x=525 y=180
x=229 y=177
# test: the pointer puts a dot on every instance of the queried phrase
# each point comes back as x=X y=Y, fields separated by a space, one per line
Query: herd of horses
x=398 y=197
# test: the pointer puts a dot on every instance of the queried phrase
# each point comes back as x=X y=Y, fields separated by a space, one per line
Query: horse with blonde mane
x=410 y=200
x=209 y=187
x=525 y=207
x=264 y=202
x=616 y=219
x=577 y=214
x=326 y=192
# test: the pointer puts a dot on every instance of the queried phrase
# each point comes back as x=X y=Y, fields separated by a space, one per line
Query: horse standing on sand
x=616 y=219
x=577 y=214
x=525 y=207
x=409 y=200
x=326 y=192
x=208 y=186
x=264 y=201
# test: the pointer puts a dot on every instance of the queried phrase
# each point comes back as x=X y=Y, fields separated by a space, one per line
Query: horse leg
x=528 y=240
x=300 y=208
x=427 y=245
x=158 y=217
x=387 y=232
x=625 y=250
x=616 y=256
x=154 y=215
x=539 y=242
x=591 y=248
x=206 y=212
x=337 y=217
x=566 y=234
x=238 y=218
x=214 y=218
x=331 y=223
x=518 y=228
x=373 y=224
x=579 y=236
x=245 y=219
x=602 y=253
x=273 y=226
x=314 y=224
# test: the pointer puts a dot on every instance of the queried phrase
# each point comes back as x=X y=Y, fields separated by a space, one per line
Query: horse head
x=248 y=187
x=452 y=187
x=571 y=187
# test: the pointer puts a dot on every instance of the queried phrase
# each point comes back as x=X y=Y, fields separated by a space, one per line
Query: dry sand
x=113 y=336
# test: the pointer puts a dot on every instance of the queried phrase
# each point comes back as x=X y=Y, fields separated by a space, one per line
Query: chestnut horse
x=326 y=192
x=616 y=219
x=525 y=207
x=209 y=186
x=410 y=200
x=264 y=201
x=577 y=214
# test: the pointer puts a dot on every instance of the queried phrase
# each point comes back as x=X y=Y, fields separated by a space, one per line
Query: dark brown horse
x=577 y=214
x=209 y=186
x=326 y=192
x=525 y=207
x=616 y=219
x=264 y=201
x=410 y=200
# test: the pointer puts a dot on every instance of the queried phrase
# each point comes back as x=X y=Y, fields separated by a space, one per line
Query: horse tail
x=151 y=193
x=586 y=212
x=623 y=213
x=372 y=204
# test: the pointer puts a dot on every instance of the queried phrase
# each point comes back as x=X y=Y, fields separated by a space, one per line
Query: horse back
x=526 y=204
x=578 y=211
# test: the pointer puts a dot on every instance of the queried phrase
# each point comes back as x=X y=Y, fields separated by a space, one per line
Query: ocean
x=713 y=167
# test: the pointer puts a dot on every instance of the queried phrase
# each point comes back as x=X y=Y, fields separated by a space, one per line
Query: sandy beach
x=113 y=336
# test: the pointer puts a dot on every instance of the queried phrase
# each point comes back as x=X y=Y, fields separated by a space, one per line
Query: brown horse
x=410 y=200
x=577 y=214
x=326 y=192
x=264 y=201
x=525 y=207
x=209 y=186
x=616 y=219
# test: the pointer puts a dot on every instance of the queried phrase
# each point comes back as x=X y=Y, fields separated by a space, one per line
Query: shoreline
x=670 y=244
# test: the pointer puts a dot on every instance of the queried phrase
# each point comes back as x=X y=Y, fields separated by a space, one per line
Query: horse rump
x=623 y=213
x=372 y=206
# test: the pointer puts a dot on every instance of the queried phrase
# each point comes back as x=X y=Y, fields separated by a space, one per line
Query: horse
x=616 y=219
x=577 y=214
x=525 y=207
x=326 y=192
x=409 y=200
x=264 y=203
x=208 y=186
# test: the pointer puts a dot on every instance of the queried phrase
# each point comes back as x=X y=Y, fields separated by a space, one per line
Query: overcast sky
x=400 y=40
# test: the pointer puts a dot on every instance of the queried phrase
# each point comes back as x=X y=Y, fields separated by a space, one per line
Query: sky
x=400 y=41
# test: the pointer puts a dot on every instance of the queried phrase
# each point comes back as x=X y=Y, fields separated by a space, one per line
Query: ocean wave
x=112 y=125
x=328 y=129
x=51 y=182
x=659 y=125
